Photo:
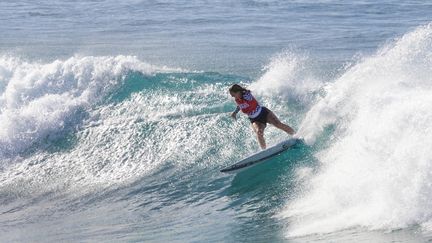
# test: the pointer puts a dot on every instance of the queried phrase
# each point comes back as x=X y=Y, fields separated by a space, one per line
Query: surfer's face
x=236 y=95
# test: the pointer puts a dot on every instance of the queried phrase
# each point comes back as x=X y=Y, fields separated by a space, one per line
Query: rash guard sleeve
x=237 y=109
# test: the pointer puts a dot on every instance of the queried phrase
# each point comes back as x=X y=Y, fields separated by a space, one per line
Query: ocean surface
x=114 y=121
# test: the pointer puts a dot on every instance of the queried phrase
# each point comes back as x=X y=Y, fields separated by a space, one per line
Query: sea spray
x=376 y=171
x=289 y=76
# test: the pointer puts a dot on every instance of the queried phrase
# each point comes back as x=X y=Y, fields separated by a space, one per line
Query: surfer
x=258 y=115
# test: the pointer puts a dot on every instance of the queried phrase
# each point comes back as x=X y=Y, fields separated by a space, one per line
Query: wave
x=60 y=124
x=376 y=167
x=40 y=99
x=85 y=124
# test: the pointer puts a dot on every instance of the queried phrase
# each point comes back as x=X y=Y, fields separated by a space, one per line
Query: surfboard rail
x=260 y=156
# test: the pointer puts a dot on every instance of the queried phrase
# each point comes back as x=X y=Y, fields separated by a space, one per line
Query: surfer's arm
x=236 y=110
x=234 y=113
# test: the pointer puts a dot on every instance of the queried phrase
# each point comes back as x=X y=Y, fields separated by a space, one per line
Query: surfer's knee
x=258 y=129
x=260 y=132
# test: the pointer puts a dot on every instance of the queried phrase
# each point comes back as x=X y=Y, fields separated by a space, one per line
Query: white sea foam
x=38 y=99
x=376 y=172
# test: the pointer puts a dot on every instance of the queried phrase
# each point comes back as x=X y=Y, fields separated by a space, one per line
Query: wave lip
x=376 y=172
x=39 y=100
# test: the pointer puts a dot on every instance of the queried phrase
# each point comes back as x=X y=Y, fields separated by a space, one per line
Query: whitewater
x=113 y=142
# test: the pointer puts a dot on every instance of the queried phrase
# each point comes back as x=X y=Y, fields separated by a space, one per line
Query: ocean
x=114 y=121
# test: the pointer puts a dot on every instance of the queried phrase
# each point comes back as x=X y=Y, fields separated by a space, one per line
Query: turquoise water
x=115 y=121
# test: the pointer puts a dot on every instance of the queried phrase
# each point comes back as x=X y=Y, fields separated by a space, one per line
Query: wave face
x=95 y=121
x=376 y=168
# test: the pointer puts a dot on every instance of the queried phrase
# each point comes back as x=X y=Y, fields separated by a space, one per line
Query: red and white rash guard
x=249 y=105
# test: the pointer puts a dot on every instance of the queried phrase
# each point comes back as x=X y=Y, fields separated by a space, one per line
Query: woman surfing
x=258 y=115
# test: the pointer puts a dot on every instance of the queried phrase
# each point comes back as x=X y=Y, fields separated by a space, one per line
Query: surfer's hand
x=234 y=115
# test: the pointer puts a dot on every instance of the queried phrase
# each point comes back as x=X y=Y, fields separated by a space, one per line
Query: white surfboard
x=261 y=156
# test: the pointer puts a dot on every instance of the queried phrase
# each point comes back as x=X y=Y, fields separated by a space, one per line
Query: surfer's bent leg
x=258 y=127
x=272 y=119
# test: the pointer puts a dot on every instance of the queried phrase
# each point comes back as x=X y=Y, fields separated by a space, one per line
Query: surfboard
x=261 y=156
